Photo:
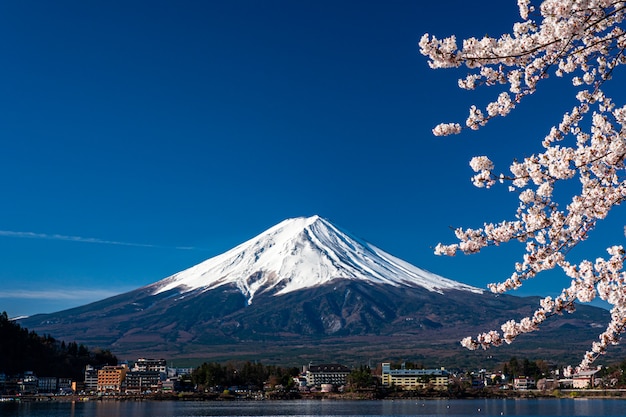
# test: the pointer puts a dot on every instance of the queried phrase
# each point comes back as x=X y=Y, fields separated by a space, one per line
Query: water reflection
x=387 y=408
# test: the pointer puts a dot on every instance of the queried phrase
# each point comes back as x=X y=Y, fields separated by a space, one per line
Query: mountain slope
x=302 y=253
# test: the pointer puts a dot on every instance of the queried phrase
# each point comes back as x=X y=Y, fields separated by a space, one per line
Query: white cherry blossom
x=586 y=41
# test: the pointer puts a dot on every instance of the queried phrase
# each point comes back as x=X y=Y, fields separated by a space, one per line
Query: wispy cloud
x=60 y=294
x=45 y=236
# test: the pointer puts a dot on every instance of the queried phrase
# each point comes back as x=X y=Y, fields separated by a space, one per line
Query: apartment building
x=410 y=379
x=333 y=374
x=150 y=365
x=111 y=379
x=141 y=382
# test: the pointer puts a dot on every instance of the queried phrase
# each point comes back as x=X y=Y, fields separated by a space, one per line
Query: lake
x=320 y=408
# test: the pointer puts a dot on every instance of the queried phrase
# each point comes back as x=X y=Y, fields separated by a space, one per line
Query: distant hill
x=21 y=351
x=305 y=291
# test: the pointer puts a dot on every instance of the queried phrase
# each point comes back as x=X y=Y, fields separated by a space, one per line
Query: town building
x=168 y=385
x=409 y=379
x=28 y=383
x=47 y=384
x=523 y=382
x=333 y=373
x=150 y=365
x=177 y=372
x=141 y=382
x=91 y=379
x=584 y=379
x=66 y=386
x=111 y=379
x=300 y=382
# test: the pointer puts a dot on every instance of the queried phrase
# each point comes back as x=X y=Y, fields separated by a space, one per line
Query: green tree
x=514 y=367
x=209 y=375
x=360 y=378
x=21 y=350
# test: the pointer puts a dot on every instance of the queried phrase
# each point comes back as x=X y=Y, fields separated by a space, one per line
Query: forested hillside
x=21 y=350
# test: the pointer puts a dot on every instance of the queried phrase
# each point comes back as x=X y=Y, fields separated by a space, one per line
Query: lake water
x=483 y=407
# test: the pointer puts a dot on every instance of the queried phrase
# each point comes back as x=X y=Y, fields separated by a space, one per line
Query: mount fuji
x=302 y=253
x=300 y=291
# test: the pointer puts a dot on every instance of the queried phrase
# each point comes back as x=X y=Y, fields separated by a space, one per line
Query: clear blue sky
x=142 y=137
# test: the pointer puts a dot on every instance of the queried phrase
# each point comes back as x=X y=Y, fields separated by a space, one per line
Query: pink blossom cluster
x=579 y=37
x=604 y=278
x=586 y=40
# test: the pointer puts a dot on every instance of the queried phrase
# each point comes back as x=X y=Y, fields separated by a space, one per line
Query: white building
x=584 y=379
x=150 y=365
x=91 y=379
x=524 y=382
x=333 y=373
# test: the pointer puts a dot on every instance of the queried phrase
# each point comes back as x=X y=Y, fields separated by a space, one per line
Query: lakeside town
x=154 y=379
x=40 y=368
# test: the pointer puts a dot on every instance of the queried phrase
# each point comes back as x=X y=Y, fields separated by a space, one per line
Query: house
x=410 y=379
x=523 y=382
x=584 y=379
x=300 y=383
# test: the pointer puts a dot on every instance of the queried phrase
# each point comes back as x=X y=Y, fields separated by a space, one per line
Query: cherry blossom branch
x=585 y=38
x=605 y=275
x=486 y=52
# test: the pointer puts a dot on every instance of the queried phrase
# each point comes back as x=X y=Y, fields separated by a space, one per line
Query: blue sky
x=140 y=138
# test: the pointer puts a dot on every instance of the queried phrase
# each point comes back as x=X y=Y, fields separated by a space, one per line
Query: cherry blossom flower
x=586 y=41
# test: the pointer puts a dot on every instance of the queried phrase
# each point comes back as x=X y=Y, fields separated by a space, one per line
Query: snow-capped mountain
x=302 y=253
x=302 y=289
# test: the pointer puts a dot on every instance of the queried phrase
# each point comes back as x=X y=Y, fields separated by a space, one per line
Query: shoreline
x=350 y=396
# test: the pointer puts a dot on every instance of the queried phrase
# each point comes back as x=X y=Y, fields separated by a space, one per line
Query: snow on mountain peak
x=301 y=253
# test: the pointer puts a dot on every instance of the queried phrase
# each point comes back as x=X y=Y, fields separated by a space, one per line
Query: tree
x=583 y=40
x=514 y=367
x=360 y=378
x=21 y=350
x=252 y=375
x=209 y=375
x=615 y=374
